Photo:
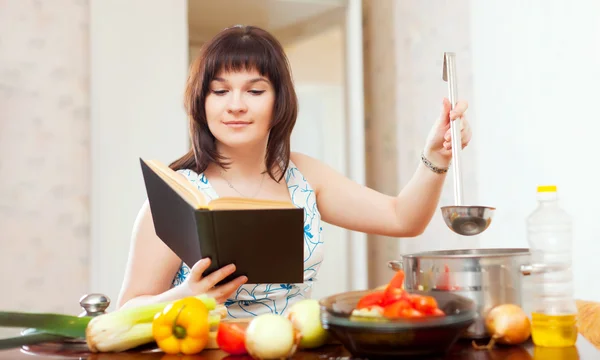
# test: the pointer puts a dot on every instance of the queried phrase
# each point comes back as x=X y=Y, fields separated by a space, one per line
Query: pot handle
x=395 y=265
x=541 y=269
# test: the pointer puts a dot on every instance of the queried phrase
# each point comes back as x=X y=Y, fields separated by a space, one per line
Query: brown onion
x=507 y=324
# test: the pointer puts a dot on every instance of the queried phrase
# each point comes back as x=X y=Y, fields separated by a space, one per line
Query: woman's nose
x=236 y=103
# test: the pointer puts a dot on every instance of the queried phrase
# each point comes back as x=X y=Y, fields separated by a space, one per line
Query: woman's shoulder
x=308 y=167
x=304 y=162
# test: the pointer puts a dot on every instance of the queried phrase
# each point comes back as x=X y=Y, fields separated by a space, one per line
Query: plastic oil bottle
x=549 y=234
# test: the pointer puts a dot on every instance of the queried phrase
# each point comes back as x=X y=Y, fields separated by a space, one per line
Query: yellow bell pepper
x=182 y=327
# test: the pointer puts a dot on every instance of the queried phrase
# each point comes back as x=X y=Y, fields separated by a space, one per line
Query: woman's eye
x=256 y=92
x=219 y=92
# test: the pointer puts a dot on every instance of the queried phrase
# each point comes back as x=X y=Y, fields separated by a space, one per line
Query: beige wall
x=380 y=123
x=318 y=59
x=314 y=59
x=44 y=154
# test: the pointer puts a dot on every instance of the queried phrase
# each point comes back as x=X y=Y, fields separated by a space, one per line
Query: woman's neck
x=244 y=163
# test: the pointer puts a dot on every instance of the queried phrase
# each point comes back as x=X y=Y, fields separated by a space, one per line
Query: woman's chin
x=241 y=141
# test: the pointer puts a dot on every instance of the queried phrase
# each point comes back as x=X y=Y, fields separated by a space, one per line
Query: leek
x=55 y=324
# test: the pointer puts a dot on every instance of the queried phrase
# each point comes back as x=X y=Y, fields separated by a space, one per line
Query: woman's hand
x=196 y=284
x=438 y=148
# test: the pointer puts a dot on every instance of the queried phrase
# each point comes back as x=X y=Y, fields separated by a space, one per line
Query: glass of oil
x=554 y=330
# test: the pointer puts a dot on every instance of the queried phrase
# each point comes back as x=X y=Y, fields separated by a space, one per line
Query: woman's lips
x=236 y=124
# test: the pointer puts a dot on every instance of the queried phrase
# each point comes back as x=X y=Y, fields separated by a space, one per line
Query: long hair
x=234 y=49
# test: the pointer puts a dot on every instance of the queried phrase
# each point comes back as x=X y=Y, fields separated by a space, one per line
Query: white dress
x=255 y=299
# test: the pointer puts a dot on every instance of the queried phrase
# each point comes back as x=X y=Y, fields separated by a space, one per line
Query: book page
x=237 y=203
x=179 y=183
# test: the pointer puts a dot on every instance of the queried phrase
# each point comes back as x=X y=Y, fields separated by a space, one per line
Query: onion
x=306 y=318
x=271 y=336
x=507 y=324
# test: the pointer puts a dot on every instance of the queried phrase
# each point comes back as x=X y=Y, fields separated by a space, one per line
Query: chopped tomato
x=231 y=339
x=397 y=281
x=369 y=300
x=411 y=313
x=395 y=289
x=395 y=302
x=393 y=295
x=425 y=304
x=394 y=310
x=437 y=312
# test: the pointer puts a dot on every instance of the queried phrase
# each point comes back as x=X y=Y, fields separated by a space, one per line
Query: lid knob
x=94 y=304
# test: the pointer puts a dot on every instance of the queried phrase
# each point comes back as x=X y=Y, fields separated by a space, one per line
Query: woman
x=242 y=108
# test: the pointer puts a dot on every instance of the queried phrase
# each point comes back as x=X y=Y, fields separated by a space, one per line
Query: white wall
x=131 y=48
x=536 y=75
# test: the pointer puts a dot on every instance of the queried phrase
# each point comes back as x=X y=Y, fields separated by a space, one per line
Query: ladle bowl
x=468 y=220
x=463 y=220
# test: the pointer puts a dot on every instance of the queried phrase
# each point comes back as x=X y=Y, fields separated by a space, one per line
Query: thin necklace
x=236 y=190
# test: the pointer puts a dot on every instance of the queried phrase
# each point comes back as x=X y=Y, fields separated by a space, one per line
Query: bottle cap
x=546 y=188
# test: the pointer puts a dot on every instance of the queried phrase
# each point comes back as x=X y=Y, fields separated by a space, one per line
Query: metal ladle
x=462 y=219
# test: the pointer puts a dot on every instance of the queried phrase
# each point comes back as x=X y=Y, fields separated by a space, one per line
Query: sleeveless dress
x=255 y=299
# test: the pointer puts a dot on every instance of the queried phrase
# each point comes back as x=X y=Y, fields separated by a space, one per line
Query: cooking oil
x=553 y=308
x=546 y=353
x=553 y=330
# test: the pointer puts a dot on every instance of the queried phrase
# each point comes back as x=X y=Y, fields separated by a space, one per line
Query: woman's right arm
x=152 y=265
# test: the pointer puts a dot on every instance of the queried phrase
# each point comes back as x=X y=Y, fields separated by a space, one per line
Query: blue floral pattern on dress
x=256 y=299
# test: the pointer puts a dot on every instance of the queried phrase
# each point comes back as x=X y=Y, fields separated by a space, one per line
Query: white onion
x=271 y=336
x=306 y=318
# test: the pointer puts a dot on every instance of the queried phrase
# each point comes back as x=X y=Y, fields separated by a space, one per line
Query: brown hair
x=234 y=49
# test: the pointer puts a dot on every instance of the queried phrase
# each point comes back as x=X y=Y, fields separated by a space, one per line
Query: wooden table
x=462 y=350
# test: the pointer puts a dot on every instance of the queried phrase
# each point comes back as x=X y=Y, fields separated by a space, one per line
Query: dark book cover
x=266 y=245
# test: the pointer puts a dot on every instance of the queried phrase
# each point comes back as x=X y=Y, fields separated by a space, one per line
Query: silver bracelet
x=432 y=167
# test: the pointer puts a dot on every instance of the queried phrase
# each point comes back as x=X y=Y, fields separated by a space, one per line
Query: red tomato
x=437 y=312
x=425 y=304
x=231 y=339
x=411 y=313
x=394 y=310
x=392 y=295
x=369 y=300
x=397 y=281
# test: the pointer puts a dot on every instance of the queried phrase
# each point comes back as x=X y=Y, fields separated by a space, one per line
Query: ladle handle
x=450 y=65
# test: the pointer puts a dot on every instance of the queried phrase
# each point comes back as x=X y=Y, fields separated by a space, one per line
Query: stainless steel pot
x=489 y=277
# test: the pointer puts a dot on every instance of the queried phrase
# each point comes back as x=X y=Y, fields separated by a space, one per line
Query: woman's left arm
x=343 y=202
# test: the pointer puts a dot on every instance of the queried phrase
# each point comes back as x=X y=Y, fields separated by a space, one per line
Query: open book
x=263 y=238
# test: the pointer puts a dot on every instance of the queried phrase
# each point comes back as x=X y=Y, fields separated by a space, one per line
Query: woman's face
x=239 y=107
